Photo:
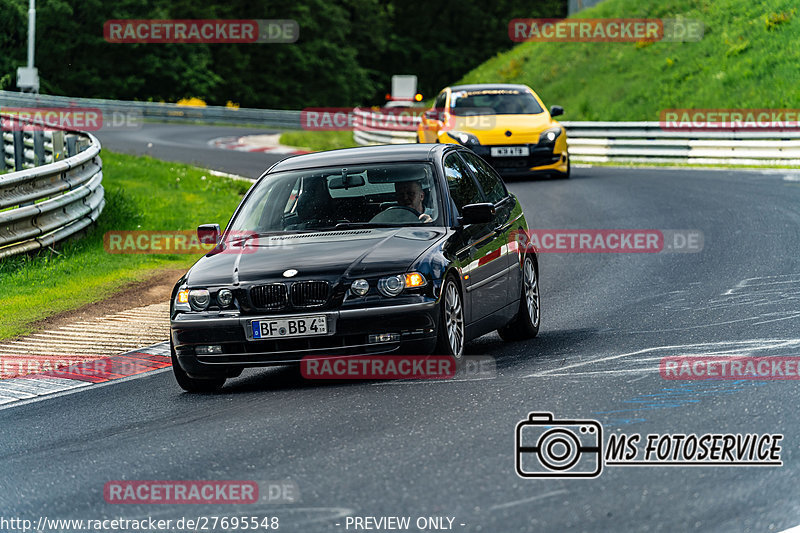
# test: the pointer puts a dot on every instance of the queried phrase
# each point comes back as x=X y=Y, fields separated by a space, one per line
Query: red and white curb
x=84 y=374
x=255 y=144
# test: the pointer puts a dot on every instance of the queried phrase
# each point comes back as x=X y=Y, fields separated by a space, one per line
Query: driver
x=410 y=194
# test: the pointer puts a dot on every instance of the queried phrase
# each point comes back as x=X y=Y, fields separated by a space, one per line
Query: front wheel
x=526 y=324
x=190 y=384
x=450 y=334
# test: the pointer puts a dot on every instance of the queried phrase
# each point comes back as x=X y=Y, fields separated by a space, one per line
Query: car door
x=481 y=258
x=494 y=190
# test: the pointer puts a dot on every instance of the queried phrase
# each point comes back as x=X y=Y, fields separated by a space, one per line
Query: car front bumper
x=349 y=331
x=541 y=160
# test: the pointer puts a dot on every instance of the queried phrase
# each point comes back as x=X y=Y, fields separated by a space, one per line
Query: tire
x=451 y=331
x=189 y=384
x=569 y=170
x=525 y=325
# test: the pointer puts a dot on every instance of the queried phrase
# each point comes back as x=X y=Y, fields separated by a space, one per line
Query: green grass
x=141 y=194
x=747 y=58
x=319 y=140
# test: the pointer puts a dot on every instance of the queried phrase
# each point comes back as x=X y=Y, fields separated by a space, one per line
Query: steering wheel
x=416 y=213
x=397 y=213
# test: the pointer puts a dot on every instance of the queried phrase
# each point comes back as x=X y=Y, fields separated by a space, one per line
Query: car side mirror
x=477 y=213
x=556 y=110
x=208 y=233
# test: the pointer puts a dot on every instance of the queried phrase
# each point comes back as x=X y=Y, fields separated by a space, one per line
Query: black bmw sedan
x=403 y=249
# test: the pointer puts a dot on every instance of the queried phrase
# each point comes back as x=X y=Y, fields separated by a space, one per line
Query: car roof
x=362 y=155
x=483 y=86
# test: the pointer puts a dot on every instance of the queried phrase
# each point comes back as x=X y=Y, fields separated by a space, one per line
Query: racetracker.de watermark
x=730 y=119
x=68 y=366
x=391 y=367
x=200 y=492
x=618 y=30
x=211 y=31
x=722 y=368
x=618 y=241
x=393 y=119
x=177 y=242
x=66 y=118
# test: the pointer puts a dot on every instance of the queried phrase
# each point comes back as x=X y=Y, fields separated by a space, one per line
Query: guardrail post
x=38 y=148
x=19 y=150
x=7 y=148
x=72 y=146
x=58 y=146
x=81 y=144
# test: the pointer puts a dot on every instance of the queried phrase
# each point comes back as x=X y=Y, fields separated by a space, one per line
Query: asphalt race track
x=190 y=144
x=446 y=448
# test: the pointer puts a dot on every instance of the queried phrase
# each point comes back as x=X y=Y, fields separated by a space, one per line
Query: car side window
x=462 y=187
x=440 y=100
x=488 y=179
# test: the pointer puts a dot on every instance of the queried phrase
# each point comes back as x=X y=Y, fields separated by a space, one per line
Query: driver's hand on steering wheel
x=424 y=217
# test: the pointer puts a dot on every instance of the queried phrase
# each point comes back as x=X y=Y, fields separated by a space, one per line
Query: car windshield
x=379 y=195
x=494 y=102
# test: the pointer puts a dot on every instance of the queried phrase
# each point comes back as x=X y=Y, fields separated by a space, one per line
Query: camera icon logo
x=548 y=448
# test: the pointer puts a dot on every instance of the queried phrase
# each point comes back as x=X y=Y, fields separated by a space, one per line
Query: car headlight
x=414 y=280
x=182 y=300
x=199 y=299
x=394 y=285
x=360 y=287
x=548 y=137
x=467 y=139
x=391 y=286
x=224 y=297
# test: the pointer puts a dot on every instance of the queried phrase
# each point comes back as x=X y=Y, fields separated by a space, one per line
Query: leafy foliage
x=747 y=58
x=347 y=52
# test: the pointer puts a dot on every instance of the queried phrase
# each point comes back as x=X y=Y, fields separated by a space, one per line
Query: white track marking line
x=738 y=346
x=527 y=500
x=699 y=326
x=775 y=320
x=237 y=177
x=396 y=382
x=13 y=392
x=655 y=371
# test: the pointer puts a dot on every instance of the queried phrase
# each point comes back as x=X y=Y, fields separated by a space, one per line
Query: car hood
x=492 y=129
x=324 y=255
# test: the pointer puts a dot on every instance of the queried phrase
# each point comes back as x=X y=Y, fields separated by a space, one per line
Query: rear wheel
x=450 y=334
x=189 y=384
x=526 y=324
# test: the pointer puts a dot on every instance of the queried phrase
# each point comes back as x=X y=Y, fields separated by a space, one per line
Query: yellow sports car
x=507 y=125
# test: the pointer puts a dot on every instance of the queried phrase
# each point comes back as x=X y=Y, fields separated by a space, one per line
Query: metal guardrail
x=364 y=135
x=28 y=149
x=588 y=141
x=647 y=142
x=44 y=204
x=157 y=110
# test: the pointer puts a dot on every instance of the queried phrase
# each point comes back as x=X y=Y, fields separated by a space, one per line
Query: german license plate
x=510 y=151
x=296 y=326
